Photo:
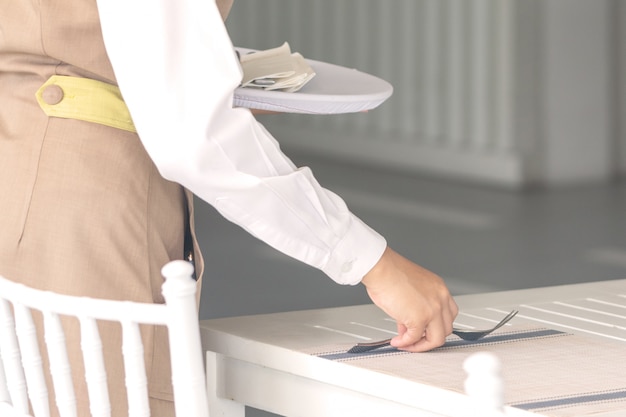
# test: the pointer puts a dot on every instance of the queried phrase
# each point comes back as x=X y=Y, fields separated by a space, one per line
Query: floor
x=478 y=238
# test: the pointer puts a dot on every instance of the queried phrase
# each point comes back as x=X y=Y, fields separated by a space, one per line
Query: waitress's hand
x=416 y=298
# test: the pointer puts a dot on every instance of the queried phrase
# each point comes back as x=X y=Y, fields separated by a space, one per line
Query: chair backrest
x=22 y=380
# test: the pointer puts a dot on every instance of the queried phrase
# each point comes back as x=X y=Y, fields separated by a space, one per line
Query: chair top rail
x=113 y=310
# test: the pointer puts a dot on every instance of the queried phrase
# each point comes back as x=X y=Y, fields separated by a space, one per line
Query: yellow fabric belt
x=84 y=99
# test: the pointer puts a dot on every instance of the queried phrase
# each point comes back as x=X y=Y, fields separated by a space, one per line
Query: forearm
x=179 y=90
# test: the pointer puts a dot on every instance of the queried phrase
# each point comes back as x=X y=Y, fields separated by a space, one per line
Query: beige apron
x=83 y=210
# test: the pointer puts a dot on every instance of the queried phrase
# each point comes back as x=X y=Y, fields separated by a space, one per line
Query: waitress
x=112 y=114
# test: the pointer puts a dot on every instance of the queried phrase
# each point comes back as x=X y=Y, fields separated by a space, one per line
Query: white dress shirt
x=177 y=70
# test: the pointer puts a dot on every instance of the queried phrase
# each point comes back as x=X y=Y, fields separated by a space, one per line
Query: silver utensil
x=470 y=335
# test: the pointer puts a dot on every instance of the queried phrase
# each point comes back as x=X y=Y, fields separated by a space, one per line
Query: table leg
x=219 y=406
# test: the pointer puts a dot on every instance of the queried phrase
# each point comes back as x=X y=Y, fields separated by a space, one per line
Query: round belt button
x=52 y=94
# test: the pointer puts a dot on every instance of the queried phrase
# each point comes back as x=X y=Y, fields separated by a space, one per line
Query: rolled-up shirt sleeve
x=177 y=70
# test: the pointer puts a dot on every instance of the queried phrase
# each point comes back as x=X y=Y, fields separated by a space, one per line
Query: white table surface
x=259 y=361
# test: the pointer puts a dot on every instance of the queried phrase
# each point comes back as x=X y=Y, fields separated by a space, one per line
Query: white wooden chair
x=21 y=372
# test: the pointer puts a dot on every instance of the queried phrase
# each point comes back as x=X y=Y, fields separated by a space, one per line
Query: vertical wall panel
x=503 y=74
x=432 y=70
x=455 y=52
x=620 y=79
x=481 y=73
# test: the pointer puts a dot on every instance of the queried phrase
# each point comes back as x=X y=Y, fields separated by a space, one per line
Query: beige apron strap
x=224 y=7
x=84 y=99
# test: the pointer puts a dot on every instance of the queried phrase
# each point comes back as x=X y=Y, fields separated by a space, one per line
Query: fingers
x=429 y=336
x=414 y=340
x=420 y=340
x=416 y=298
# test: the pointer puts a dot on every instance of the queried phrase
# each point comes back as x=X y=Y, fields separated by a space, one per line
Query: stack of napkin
x=276 y=69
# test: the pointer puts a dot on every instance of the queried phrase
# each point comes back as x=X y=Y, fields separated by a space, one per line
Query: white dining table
x=564 y=354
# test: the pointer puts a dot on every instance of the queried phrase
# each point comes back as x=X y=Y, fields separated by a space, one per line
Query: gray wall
x=560 y=69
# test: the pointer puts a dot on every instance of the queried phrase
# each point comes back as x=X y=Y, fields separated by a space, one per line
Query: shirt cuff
x=356 y=254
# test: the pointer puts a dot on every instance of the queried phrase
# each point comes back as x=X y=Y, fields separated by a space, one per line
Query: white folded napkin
x=276 y=69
